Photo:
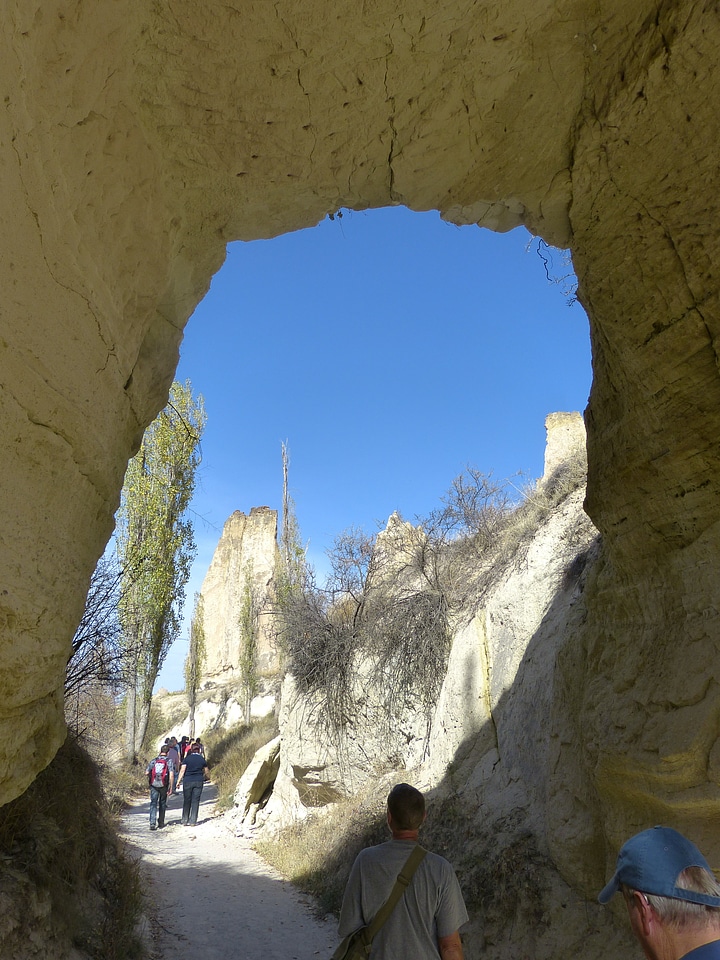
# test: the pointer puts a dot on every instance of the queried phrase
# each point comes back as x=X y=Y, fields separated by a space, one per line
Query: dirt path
x=214 y=897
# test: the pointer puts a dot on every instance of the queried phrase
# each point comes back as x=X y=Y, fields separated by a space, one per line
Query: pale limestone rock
x=491 y=715
x=218 y=707
x=490 y=740
x=255 y=785
x=247 y=544
x=310 y=775
x=565 y=436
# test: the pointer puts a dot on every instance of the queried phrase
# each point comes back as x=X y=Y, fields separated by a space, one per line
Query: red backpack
x=159 y=772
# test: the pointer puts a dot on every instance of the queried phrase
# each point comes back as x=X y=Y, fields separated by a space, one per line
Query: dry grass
x=319 y=866
x=120 y=783
x=229 y=753
x=501 y=870
x=57 y=840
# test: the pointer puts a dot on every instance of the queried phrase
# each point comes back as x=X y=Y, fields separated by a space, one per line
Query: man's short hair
x=684 y=913
x=406 y=806
x=164 y=748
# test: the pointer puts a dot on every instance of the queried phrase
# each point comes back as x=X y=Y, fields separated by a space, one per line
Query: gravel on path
x=213 y=897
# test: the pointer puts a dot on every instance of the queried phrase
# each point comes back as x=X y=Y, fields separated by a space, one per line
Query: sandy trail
x=214 y=898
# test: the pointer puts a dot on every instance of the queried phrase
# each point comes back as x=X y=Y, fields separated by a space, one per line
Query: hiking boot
x=153 y=827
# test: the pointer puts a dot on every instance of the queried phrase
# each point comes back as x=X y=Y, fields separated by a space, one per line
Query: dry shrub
x=120 y=783
x=390 y=600
x=302 y=853
x=402 y=630
x=519 y=527
x=320 y=642
x=411 y=645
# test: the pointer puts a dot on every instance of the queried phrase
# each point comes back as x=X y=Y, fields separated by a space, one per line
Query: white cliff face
x=246 y=554
x=492 y=716
x=491 y=719
x=245 y=557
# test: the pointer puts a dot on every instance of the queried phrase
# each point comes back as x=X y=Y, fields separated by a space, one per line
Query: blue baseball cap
x=652 y=861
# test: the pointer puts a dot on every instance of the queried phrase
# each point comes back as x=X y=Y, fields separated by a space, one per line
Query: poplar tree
x=156 y=547
x=248 y=623
x=195 y=659
x=293 y=573
x=293 y=578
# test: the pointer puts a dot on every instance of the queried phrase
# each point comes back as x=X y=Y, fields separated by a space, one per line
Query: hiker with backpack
x=161 y=776
x=401 y=899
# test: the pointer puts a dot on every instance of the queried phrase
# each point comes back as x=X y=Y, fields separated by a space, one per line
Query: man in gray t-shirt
x=425 y=923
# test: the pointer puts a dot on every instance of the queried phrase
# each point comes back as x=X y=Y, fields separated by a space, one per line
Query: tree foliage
x=94 y=674
x=294 y=571
x=249 y=628
x=293 y=578
x=156 y=546
x=195 y=660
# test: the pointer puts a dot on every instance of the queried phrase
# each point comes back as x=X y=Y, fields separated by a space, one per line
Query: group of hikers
x=180 y=763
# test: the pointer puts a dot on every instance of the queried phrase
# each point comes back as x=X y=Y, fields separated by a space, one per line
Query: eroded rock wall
x=525 y=603
x=637 y=726
x=138 y=139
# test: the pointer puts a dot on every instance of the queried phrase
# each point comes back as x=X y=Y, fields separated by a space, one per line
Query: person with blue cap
x=671 y=894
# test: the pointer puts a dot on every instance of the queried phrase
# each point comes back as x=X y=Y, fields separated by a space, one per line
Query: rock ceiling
x=138 y=139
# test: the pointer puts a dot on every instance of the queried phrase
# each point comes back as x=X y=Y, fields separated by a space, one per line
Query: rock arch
x=138 y=139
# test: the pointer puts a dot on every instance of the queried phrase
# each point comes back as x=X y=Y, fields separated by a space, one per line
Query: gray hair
x=683 y=913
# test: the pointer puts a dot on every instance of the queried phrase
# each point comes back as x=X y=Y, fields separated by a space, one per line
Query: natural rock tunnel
x=138 y=139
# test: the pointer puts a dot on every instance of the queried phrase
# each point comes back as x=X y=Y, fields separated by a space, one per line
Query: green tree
x=294 y=564
x=293 y=577
x=248 y=623
x=195 y=659
x=156 y=546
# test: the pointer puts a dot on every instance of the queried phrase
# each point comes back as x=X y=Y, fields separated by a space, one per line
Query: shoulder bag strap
x=402 y=882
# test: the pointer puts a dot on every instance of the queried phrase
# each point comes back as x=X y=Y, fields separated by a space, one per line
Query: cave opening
x=390 y=349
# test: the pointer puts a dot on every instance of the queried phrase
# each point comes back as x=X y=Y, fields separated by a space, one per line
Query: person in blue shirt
x=671 y=894
x=193 y=774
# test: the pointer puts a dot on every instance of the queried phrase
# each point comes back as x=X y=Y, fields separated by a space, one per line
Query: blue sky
x=390 y=350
